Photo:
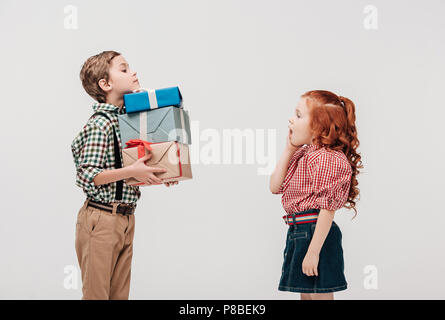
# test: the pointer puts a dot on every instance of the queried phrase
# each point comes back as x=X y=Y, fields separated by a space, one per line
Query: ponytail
x=350 y=152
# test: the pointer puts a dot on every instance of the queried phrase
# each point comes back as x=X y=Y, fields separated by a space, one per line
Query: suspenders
x=117 y=157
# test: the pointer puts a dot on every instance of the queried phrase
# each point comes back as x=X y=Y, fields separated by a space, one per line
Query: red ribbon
x=140 y=144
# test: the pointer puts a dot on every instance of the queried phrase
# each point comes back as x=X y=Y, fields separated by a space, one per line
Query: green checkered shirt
x=93 y=152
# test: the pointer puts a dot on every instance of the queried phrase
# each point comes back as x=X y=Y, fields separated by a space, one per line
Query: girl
x=316 y=175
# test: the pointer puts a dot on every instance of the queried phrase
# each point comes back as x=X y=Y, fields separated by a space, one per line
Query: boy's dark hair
x=94 y=69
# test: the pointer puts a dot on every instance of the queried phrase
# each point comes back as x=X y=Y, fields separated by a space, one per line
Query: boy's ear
x=104 y=85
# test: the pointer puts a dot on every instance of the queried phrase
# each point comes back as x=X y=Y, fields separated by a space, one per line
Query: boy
x=105 y=223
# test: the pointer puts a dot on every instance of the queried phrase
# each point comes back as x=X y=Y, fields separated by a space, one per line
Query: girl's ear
x=104 y=85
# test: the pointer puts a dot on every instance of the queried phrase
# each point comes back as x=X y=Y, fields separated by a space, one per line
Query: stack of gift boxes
x=155 y=121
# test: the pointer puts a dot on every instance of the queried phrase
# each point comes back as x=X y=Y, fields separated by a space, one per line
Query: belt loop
x=85 y=204
x=115 y=204
x=293 y=220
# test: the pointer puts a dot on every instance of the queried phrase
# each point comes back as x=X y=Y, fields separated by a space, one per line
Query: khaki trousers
x=104 y=247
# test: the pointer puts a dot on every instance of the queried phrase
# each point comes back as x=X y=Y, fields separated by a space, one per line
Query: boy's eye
x=124 y=70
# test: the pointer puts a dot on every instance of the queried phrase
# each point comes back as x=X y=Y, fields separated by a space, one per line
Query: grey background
x=239 y=64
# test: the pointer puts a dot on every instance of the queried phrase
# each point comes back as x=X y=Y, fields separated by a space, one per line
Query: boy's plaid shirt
x=93 y=152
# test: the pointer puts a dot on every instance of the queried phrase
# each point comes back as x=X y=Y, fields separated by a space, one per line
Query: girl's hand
x=290 y=146
x=171 y=183
x=310 y=264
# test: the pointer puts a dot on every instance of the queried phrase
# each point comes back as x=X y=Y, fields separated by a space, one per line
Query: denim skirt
x=330 y=265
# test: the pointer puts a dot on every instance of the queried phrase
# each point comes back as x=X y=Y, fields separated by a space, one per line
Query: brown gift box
x=173 y=156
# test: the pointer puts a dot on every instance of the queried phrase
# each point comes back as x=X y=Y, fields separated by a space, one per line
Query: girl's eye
x=125 y=70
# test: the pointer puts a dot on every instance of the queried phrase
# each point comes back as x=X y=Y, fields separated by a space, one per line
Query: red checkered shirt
x=316 y=179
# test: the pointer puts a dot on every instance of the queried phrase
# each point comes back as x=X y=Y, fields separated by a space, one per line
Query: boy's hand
x=144 y=173
x=171 y=183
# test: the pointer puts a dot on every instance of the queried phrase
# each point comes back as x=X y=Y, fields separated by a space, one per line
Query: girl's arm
x=310 y=261
x=322 y=227
x=331 y=180
x=278 y=175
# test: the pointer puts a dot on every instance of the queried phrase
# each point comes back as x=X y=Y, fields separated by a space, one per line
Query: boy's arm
x=92 y=159
x=108 y=176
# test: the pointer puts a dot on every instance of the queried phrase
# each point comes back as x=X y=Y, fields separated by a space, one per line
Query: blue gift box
x=152 y=99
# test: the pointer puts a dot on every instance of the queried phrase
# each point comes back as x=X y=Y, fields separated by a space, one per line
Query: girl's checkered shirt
x=316 y=178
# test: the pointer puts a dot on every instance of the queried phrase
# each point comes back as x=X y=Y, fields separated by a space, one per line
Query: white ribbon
x=151 y=97
x=181 y=113
x=143 y=125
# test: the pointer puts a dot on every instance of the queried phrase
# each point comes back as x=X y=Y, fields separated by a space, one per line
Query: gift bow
x=140 y=144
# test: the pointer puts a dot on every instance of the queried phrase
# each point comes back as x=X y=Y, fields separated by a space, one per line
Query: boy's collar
x=108 y=107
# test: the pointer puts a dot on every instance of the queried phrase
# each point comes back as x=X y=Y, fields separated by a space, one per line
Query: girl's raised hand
x=289 y=144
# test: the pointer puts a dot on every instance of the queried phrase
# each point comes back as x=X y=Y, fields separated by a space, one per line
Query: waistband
x=123 y=208
x=307 y=216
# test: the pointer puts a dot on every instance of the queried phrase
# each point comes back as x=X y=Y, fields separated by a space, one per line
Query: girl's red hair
x=333 y=126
